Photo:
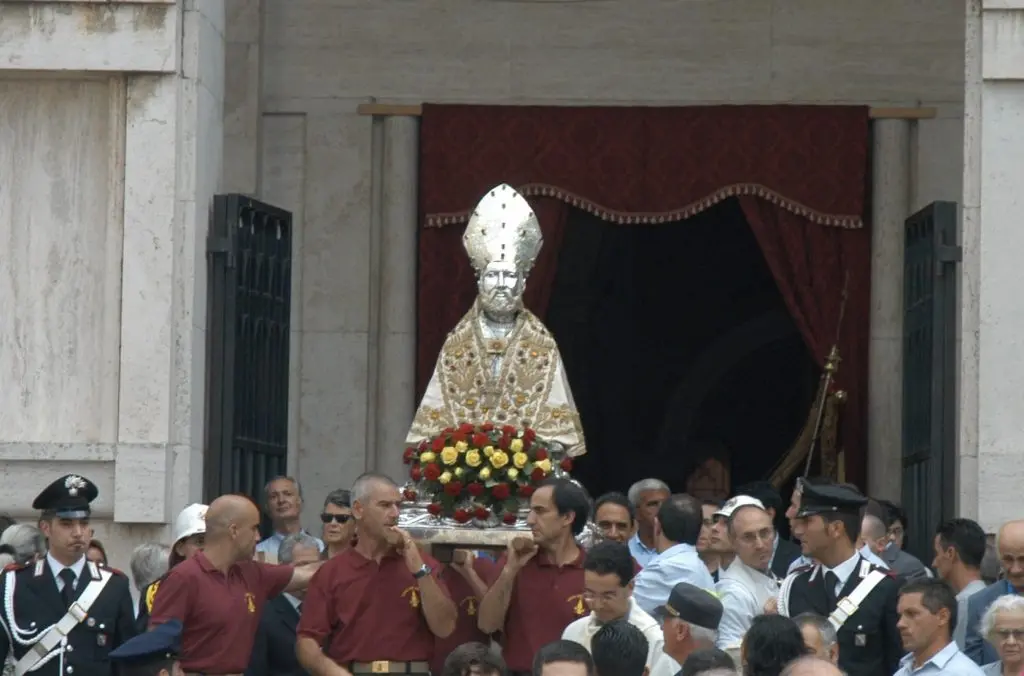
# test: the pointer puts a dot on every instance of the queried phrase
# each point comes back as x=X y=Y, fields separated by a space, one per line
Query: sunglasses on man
x=337 y=518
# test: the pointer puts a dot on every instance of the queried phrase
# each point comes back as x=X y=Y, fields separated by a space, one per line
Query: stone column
x=890 y=207
x=396 y=354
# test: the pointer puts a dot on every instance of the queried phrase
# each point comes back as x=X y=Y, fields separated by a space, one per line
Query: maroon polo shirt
x=219 y=613
x=545 y=599
x=468 y=605
x=368 y=611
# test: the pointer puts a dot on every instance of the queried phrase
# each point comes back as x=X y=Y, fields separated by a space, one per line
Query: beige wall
x=297 y=70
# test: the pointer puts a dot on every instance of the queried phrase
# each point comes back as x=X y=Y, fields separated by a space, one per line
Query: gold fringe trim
x=647 y=218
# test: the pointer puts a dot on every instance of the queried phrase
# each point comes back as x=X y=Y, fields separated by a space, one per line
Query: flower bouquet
x=480 y=475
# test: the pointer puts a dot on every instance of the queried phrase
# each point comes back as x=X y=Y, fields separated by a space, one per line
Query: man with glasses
x=608 y=593
x=339 y=528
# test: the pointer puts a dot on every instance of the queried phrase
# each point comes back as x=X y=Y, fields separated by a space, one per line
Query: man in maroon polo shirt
x=539 y=592
x=219 y=593
x=377 y=606
x=467 y=583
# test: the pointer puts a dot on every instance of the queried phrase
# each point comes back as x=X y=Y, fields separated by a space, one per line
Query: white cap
x=191 y=521
x=734 y=503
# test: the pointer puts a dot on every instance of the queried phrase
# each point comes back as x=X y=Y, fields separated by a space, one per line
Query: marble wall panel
x=60 y=280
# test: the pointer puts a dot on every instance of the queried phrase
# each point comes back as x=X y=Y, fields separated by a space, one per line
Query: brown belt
x=389 y=667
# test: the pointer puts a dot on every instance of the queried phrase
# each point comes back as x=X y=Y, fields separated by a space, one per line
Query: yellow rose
x=545 y=465
x=512 y=473
x=461 y=447
x=459 y=471
x=485 y=474
x=520 y=460
x=449 y=455
x=516 y=445
x=473 y=458
x=499 y=459
x=489 y=451
x=445 y=477
x=427 y=457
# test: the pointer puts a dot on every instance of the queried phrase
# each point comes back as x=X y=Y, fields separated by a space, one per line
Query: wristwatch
x=423 y=572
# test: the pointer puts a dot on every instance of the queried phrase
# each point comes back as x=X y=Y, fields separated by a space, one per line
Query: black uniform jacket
x=273 y=653
x=29 y=593
x=786 y=553
x=869 y=643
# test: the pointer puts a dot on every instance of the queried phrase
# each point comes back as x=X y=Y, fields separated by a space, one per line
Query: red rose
x=480 y=440
x=482 y=513
x=448 y=430
x=408 y=456
x=541 y=454
x=537 y=474
x=409 y=494
x=525 y=491
x=476 y=489
x=500 y=492
x=453 y=488
x=438 y=444
x=435 y=508
x=487 y=427
x=528 y=436
x=424 y=445
x=506 y=439
x=566 y=464
x=508 y=429
x=459 y=436
x=466 y=428
x=461 y=515
x=431 y=472
x=510 y=518
x=416 y=473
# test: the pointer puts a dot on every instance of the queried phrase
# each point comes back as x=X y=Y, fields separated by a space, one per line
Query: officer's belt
x=389 y=667
x=848 y=605
x=76 y=614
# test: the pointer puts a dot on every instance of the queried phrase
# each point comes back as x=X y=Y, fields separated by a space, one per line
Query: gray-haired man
x=283 y=503
x=819 y=636
x=646 y=497
x=274 y=649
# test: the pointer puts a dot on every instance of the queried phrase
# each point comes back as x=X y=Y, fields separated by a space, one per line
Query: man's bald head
x=1010 y=547
x=1010 y=535
x=228 y=510
x=811 y=666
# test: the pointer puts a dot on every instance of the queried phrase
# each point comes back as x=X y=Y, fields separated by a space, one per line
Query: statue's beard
x=500 y=304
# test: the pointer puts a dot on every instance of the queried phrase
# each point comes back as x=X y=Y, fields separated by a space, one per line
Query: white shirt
x=866 y=552
x=582 y=630
x=843 y=571
x=743 y=591
x=56 y=566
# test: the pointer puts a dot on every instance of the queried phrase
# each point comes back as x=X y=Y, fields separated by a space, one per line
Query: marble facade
x=130 y=116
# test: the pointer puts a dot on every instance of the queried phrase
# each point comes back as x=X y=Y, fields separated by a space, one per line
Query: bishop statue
x=500 y=364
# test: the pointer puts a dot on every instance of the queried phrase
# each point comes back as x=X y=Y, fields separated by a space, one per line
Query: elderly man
x=689 y=622
x=284 y=506
x=748 y=583
x=26 y=542
x=646 y=497
x=148 y=564
x=274 y=651
x=819 y=636
x=1010 y=547
x=677 y=528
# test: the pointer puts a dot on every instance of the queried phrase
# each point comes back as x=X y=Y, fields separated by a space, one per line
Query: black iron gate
x=250 y=267
x=931 y=255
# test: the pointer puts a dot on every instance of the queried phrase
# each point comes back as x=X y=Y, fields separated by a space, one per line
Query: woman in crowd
x=339 y=528
x=1003 y=626
x=97 y=553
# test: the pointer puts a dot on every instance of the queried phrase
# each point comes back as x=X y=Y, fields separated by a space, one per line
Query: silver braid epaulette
x=25 y=637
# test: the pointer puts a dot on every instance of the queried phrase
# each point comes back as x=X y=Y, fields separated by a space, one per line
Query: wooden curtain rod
x=415 y=110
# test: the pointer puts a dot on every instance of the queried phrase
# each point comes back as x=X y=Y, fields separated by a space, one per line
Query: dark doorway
x=678 y=345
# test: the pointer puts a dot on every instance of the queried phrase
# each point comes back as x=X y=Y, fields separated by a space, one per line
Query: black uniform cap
x=692 y=604
x=828 y=499
x=68 y=497
x=158 y=644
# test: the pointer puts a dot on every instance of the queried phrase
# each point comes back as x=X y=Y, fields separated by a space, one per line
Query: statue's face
x=501 y=288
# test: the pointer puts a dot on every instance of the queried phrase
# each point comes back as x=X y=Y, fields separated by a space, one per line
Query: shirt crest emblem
x=74 y=483
x=250 y=602
x=578 y=608
x=414 y=596
x=469 y=603
x=151 y=596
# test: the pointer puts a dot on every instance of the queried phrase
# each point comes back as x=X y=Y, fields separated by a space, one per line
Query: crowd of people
x=674 y=585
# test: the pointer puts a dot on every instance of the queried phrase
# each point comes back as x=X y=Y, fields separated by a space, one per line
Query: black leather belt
x=389 y=667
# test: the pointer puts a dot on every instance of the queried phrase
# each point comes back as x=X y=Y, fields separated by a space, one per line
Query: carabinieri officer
x=62 y=614
x=154 y=653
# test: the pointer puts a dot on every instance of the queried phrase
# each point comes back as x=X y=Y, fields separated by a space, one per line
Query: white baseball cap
x=191 y=521
x=734 y=503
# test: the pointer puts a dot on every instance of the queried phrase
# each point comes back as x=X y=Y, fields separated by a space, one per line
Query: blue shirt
x=273 y=543
x=642 y=554
x=949 y=660
x=875 y=559
x=678 y=563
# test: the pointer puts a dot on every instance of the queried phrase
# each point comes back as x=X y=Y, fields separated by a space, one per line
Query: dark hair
x=681 y=518
x=616 y=498
x=850 y=521
x=473 y=654
x=619 y=649
x=96 y=544
x=772 y=642
x=895 y=512
x=763 y=491
x=562 y=651
x=705 y=660
x=717 y=504
x=611 y=558
x=935 y=594
x=568 y=497
x=966 y=537
x=9 y=550
x=339 y=498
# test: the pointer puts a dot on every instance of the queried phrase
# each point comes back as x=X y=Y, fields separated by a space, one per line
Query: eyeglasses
x=337 y=518
x=1007 y=634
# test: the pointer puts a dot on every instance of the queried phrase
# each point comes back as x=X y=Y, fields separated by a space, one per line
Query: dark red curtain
x=799 y=171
